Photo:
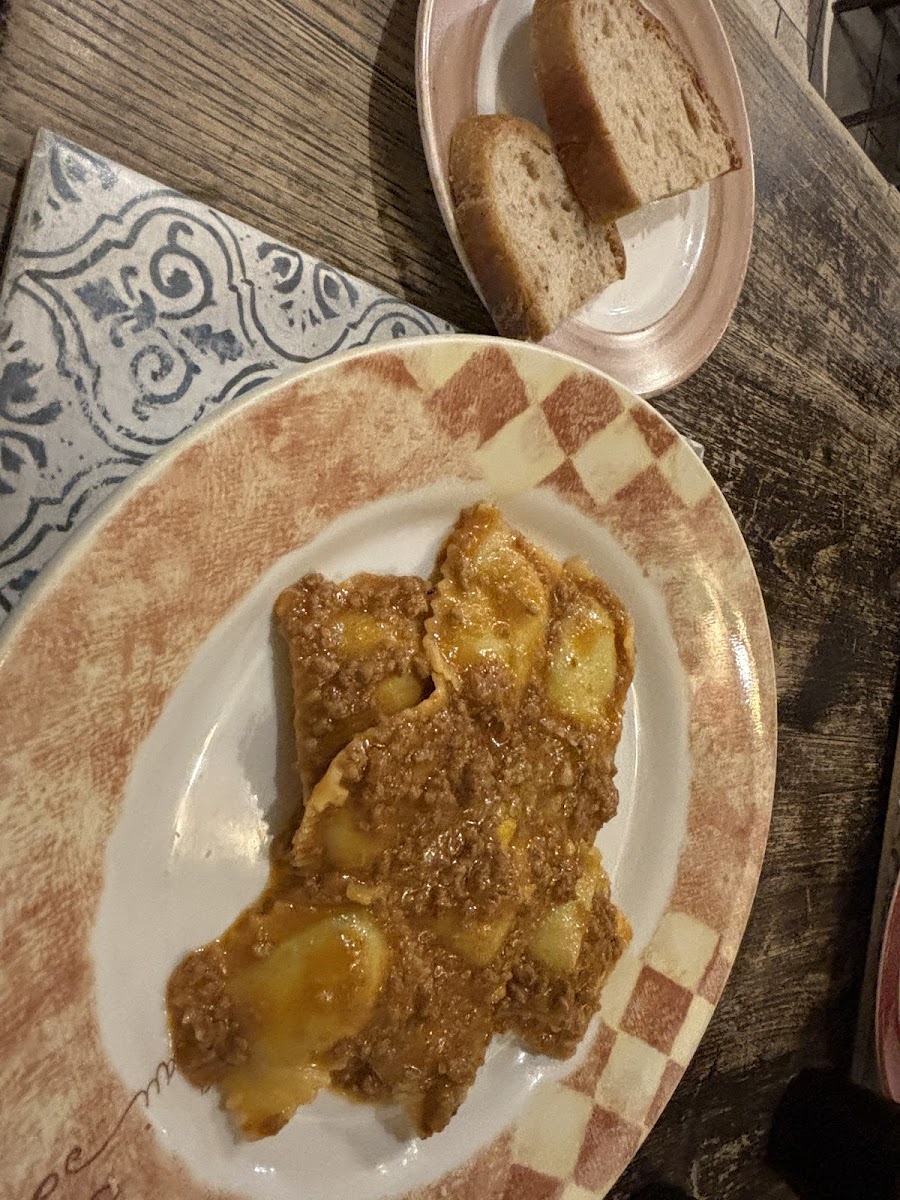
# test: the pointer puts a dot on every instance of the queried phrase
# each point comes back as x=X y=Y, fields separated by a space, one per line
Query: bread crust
x=584 y=143
x=511 y=299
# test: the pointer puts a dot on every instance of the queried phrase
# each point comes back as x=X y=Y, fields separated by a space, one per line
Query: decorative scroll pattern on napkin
x=128 y=313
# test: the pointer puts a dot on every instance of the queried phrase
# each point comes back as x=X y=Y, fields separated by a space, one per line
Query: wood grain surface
x=300 y=117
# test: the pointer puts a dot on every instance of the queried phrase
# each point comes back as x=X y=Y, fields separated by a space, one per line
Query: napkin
x=127 y=313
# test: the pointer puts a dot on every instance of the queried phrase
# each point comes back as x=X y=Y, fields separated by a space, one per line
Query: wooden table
x=799 y=409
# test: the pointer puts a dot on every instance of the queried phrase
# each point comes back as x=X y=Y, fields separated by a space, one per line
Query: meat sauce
x=456 y=741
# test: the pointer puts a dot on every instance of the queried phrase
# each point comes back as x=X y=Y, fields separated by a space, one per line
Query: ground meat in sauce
x=336 y=690
x=210 y=1035
x=482 y=800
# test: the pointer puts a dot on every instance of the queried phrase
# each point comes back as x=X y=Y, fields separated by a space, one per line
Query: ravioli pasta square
x=456 y=744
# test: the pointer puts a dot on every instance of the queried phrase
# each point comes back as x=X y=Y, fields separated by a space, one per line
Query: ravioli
x=442 y=884
x=356 y=656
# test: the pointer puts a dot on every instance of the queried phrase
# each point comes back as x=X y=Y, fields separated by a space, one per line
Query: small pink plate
x=687 y=256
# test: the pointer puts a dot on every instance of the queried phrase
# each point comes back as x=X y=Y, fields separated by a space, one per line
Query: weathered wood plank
x=299 y=118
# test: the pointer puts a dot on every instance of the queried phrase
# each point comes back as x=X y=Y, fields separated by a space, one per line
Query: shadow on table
x=7 y=229
x=408 y=211
x=832 y=1140
x=660 y=1191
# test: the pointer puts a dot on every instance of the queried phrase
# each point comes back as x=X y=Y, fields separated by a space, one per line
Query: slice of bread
x=533 y=250
x=631 y=119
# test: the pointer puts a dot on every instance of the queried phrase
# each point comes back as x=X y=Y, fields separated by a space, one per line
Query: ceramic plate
x=687 y=256
x=145 y=752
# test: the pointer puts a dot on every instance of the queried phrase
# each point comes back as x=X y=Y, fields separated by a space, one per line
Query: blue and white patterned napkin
x=127 y=312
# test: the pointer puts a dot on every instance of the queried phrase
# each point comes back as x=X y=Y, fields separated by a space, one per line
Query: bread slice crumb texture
x=536 y=254
x=631 y=118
